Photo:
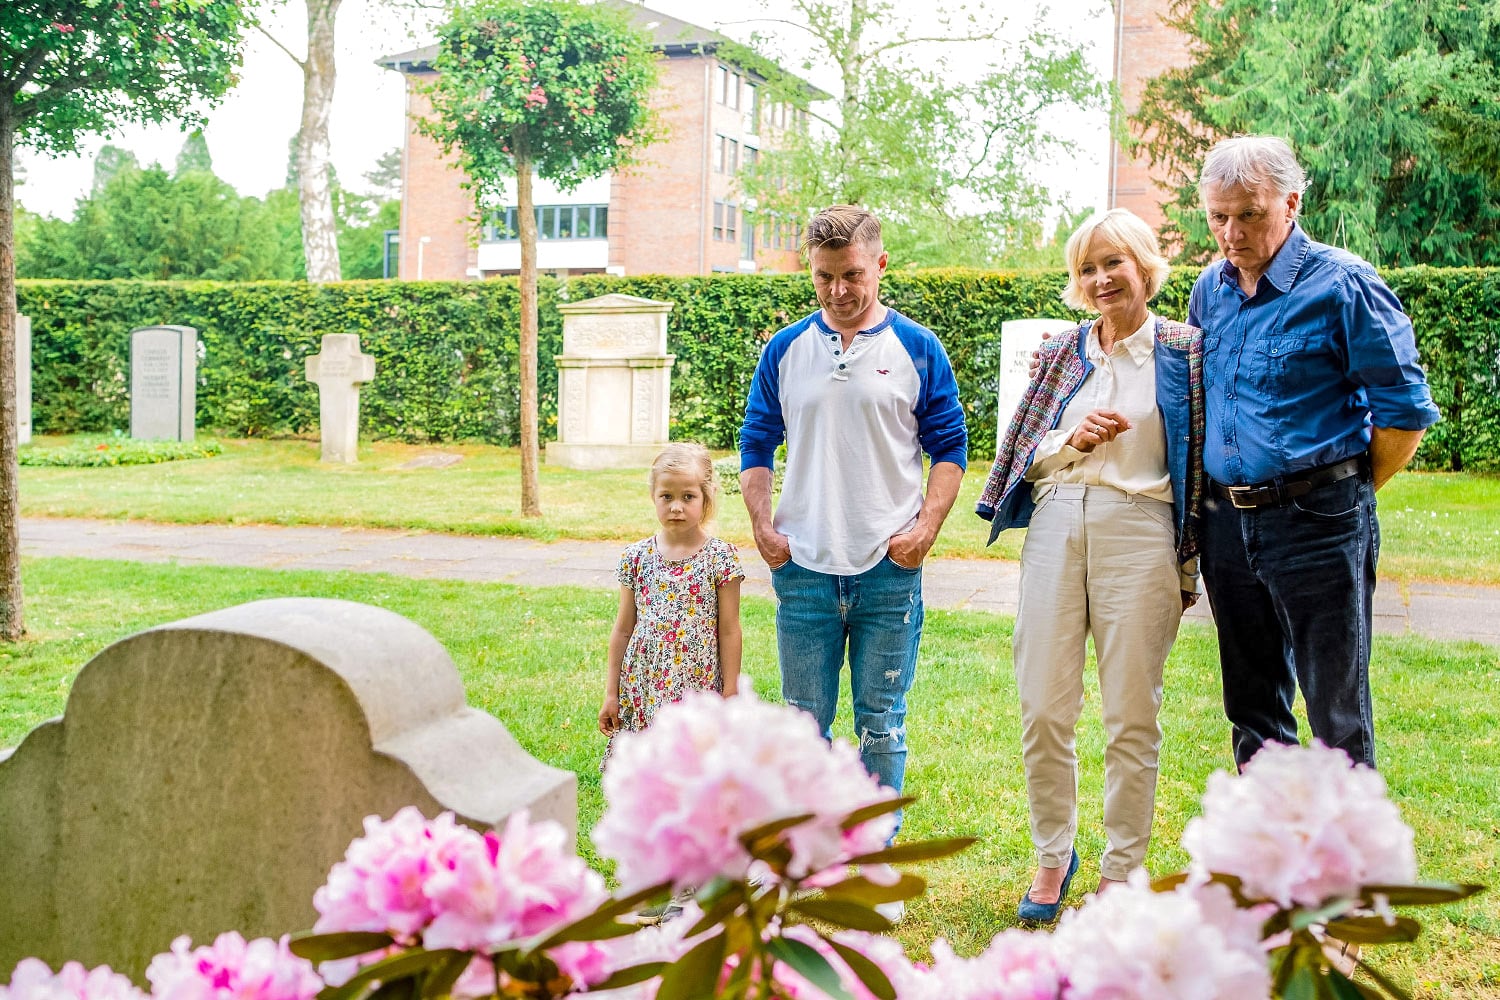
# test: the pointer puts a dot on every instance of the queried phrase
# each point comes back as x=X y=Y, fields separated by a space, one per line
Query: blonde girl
x=678 y=627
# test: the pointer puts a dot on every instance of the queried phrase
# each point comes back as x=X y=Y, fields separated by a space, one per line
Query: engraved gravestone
x=1018 y=339
x=23 y=379
x=614 y=383
x=338 y=372
x=163 y=382
x=206 y=774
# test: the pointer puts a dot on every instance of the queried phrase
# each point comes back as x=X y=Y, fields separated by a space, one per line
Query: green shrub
x=83 y=453
x=445 y=352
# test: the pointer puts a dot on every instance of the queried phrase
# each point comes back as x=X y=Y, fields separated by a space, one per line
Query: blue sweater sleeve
x=940 y=418
x=764 y=427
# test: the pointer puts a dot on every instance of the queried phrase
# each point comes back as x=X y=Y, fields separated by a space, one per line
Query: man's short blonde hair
x=841 y=226
x=1124 y=231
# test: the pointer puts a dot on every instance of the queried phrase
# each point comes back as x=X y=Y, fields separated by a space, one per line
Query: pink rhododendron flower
x=379 y=884
x=489 y=890
x=1017 y=965
x=1301 y=825
x=33 y=979
x=232 y=969
x=681 y=792
x=1188 y=944
x=665 y=942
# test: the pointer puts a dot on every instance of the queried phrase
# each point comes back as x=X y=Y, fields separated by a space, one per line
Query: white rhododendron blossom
x=1300 y=826
x=1188 y=944
x=708 y=769
x=34 y=979
x=1017 y=965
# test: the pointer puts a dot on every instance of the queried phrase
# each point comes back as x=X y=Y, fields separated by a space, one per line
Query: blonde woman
x=1103 y=462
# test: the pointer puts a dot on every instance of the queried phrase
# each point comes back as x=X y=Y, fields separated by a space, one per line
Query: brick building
x=677 y=212
x=1145 y=47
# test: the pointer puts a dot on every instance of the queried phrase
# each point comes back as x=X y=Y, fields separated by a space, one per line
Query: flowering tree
x=558 y=89
x=69 y=69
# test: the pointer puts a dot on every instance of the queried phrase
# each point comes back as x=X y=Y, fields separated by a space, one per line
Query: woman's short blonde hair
x=1124 y=231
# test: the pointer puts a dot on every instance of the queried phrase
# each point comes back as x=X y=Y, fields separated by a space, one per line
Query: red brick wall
x=1144 y=48
x=433 y=204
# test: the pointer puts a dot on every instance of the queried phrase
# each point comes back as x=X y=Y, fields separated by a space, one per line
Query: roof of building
x=669 y=36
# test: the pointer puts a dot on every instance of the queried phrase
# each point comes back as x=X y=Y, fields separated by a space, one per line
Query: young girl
x=678 y=628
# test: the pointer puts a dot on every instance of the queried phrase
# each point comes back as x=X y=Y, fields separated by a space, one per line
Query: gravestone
x=1018 y=339
x=614 y=383
x=23 y=380
x=207 y=774
x=338 y=372
x=163 y=382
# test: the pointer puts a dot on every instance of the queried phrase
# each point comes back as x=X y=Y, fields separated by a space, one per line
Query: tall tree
x=951 y=165
x=557 y=89
x=68 y=69
x=148 y=224
x=1391 y=107
x=314 y=178
x=194 y=154
x=111 y=161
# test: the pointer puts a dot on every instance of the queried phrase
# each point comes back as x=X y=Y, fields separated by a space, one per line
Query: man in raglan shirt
x=858 y=392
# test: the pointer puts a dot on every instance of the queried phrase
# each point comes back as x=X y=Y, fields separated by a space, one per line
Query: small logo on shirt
x=883 y=371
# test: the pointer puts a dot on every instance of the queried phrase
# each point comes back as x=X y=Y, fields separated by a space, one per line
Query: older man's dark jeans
x=1291 y=589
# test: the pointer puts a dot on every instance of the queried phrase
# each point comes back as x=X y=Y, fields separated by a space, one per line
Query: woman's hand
x=609 y=716
x=1099 y=427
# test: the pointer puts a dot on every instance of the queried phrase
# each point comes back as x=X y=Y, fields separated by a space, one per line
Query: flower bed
x=775 y=841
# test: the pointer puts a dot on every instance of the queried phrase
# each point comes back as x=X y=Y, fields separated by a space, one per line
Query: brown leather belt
x=1276 y=493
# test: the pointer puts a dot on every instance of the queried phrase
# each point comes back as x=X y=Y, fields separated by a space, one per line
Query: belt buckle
x=1235 y=492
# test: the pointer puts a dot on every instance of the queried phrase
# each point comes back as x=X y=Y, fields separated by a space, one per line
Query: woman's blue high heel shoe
x=1044 y=913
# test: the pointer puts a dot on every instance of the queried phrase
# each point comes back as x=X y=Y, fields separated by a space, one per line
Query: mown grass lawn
x=1435 y=526
x=534 y=658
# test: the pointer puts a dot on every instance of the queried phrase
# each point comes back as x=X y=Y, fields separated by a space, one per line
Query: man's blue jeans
x=1291 y=589
x=877 y=615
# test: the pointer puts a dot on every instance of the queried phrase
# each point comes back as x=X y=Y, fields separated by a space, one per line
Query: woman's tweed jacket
x=1007 y=498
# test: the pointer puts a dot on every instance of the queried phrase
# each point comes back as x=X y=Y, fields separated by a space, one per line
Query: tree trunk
x=319 y=236
x=531 y=500
x=12 y=624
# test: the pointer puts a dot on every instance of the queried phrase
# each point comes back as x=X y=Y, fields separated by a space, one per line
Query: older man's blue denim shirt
x=1295 y=375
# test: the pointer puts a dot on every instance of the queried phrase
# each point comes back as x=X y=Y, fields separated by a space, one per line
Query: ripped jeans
x=877 y=615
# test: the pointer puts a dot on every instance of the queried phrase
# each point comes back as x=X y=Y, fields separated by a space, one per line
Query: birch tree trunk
x=319 y=235
x=531 y=500
x=12 y=624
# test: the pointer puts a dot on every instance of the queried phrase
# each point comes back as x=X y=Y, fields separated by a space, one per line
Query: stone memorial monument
x=338 y=372
x=23 y=380
x=1018 y=338
x=163 y=382
x=207 y=774
x=614 y=383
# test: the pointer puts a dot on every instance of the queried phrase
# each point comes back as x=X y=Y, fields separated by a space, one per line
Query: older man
x=858 y=392
x=1314 y=401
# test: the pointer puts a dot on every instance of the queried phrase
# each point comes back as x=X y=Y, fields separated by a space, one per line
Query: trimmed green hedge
x=445 y=352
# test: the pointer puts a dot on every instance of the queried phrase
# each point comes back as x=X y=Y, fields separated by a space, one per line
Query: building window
x=729 y=213
x=752 y=157
x=724 y=219
x=752 y=108
x=726 y=155
x=719 y=221
x=553 y=222
x=747 y=242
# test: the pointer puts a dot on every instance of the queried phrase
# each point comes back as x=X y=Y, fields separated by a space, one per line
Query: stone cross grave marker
x=23 y=380
x=206 y=775
x=163 y=382
x=338 y=372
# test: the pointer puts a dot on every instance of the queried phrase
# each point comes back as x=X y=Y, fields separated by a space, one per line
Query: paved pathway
x=1439 y=611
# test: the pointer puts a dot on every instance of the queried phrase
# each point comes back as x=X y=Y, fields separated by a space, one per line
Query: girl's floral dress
x=675 y=646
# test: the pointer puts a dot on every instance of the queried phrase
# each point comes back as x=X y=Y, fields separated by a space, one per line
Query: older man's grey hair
x=1251 y=162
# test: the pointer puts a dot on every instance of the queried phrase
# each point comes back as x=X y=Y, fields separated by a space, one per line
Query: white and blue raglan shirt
x=855 y=423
